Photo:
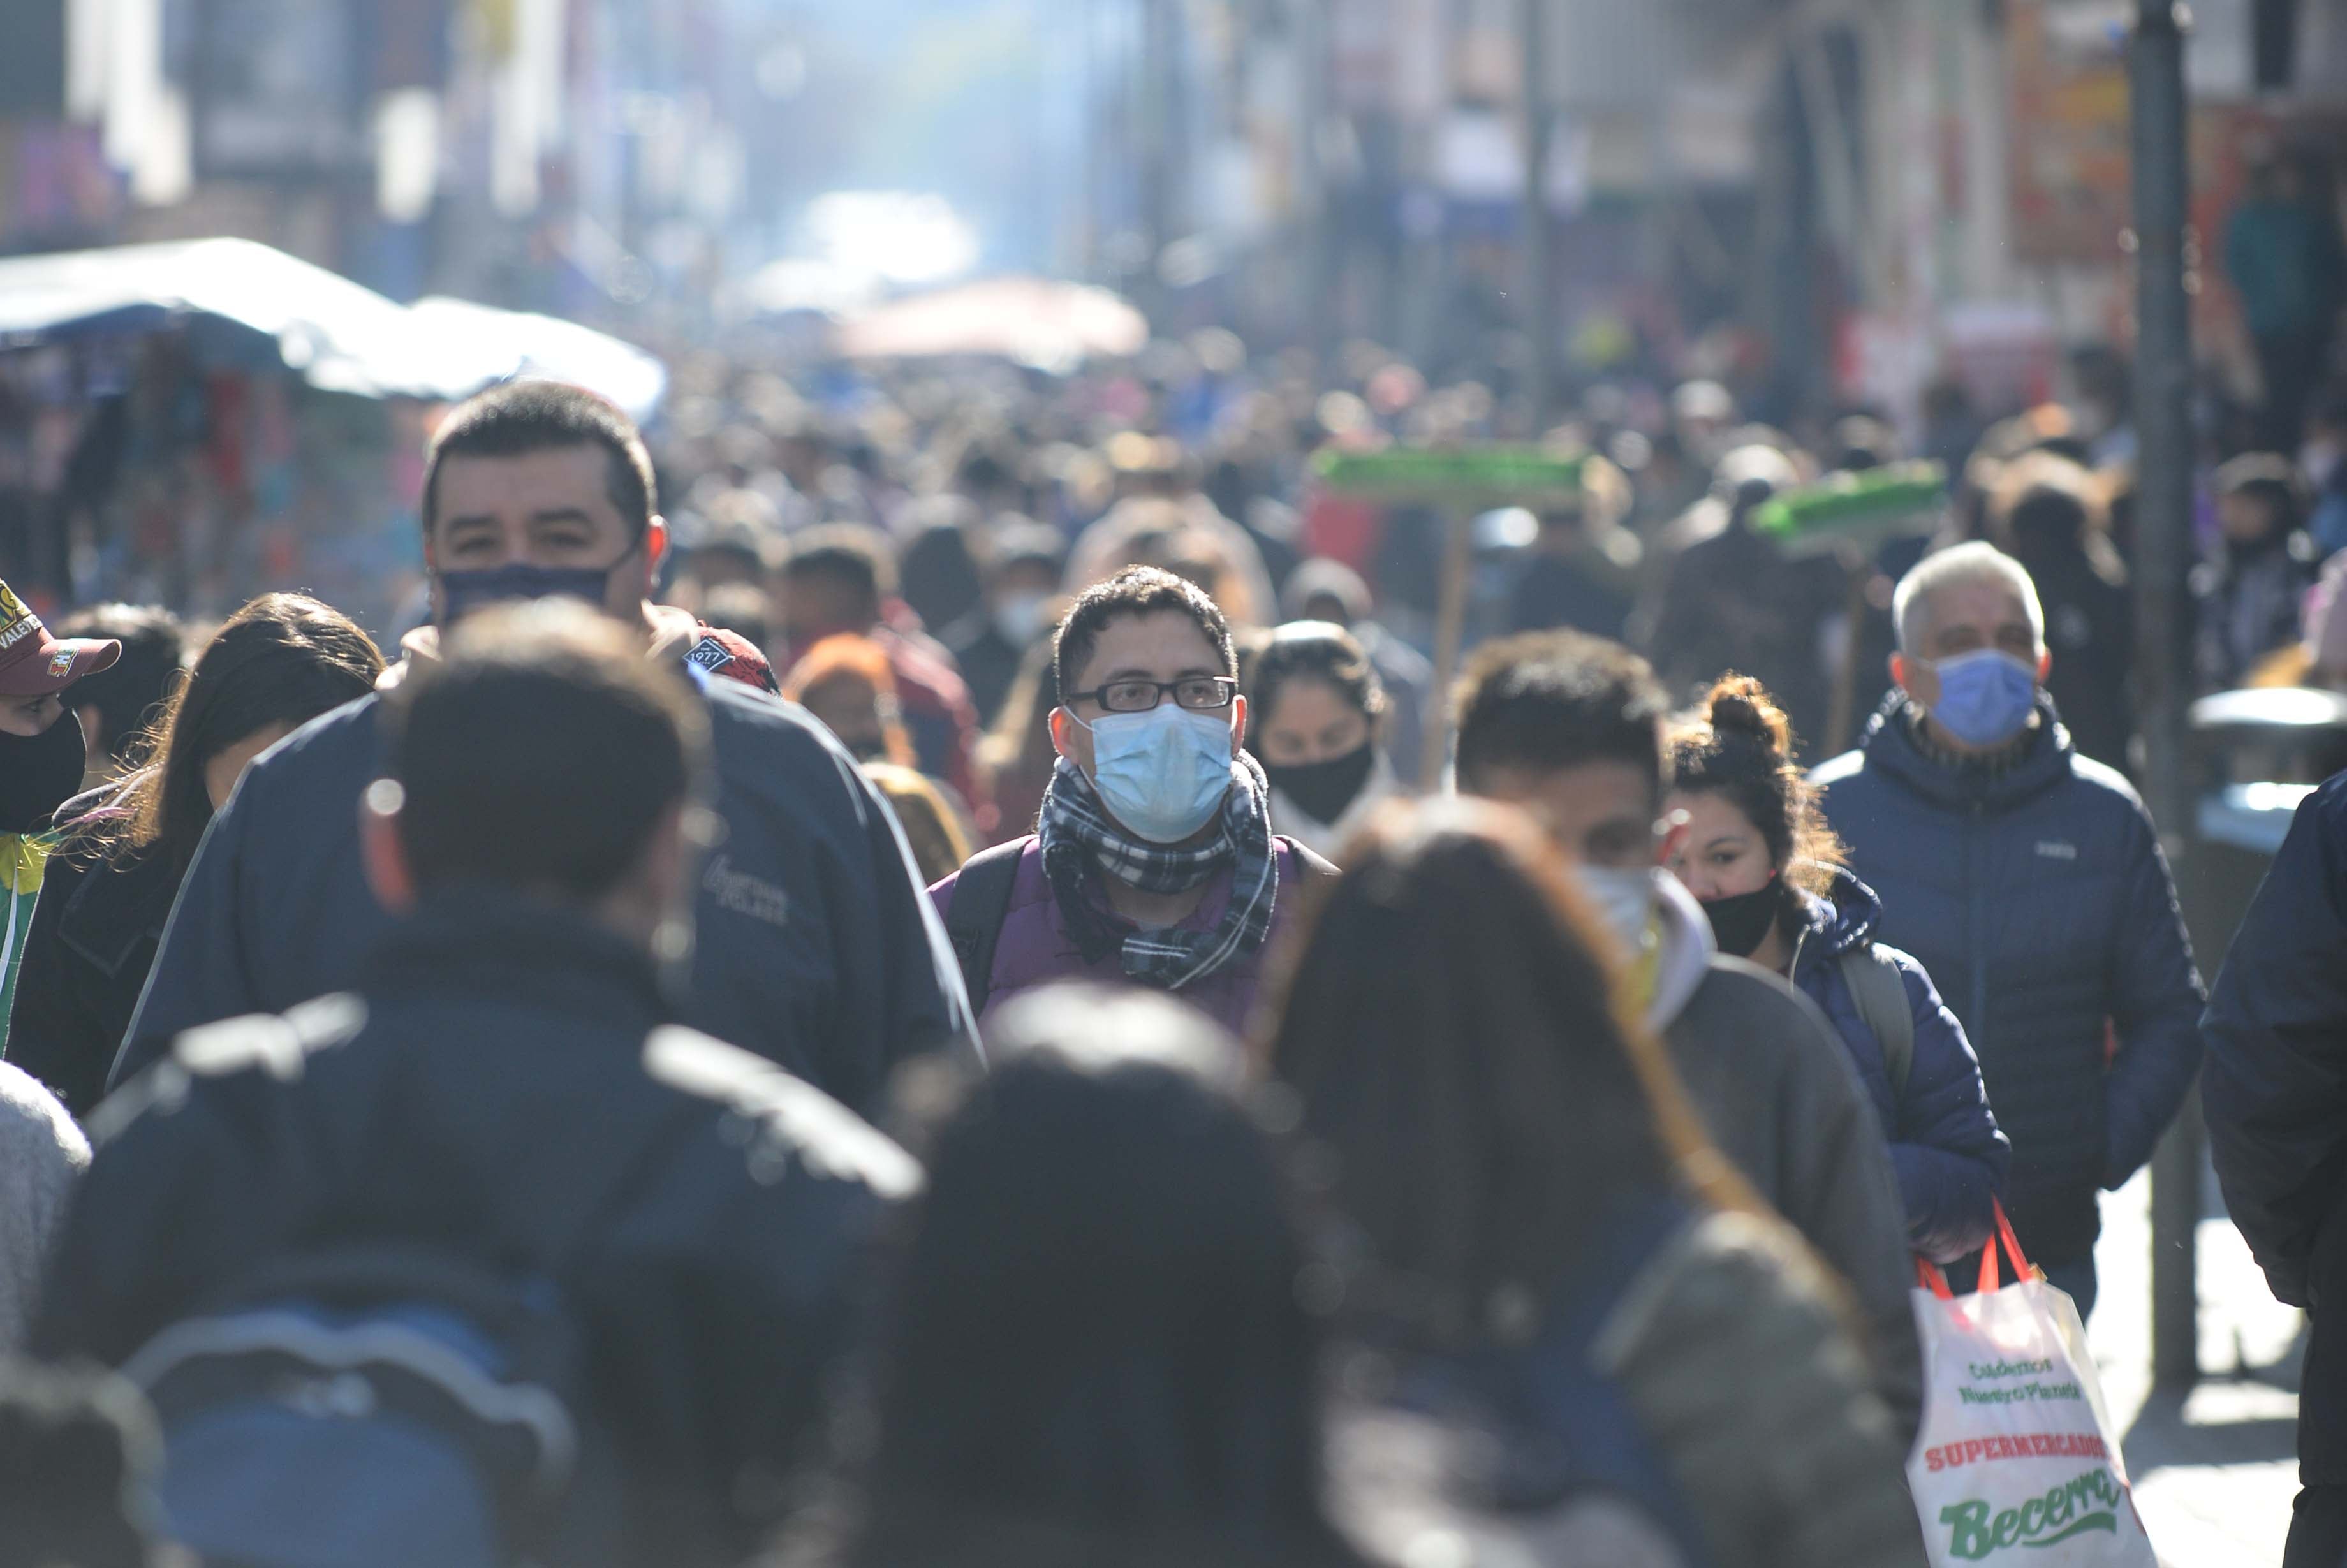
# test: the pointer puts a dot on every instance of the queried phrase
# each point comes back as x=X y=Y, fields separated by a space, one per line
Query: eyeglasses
x=1199 y=693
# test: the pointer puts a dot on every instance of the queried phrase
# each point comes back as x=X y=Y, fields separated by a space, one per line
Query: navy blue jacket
x=503 y=1086
x=2276 y=1090
x=815 y=944
x=2036 y=893
x=1944 y=1145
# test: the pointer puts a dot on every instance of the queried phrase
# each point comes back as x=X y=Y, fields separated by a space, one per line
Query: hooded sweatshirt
x=1774 y=1087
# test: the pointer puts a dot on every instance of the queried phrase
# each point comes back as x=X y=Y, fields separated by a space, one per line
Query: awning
x=546 y=346
x=339 y=336
x=1032 y=321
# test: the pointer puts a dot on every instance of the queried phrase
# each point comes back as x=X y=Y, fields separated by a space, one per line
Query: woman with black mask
x=1767 y=870
x=278 y=662
x=1317 y=711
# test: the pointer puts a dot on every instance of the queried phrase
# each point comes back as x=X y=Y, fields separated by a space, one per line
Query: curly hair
x=1740 y=746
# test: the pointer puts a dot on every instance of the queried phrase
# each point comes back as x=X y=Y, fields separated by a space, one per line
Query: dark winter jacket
x=2035 y=892
x=813 y=945
x=1949 y=1158
x=1035 y=948
x=2276 y=1089
x=503 y=1087
x=93 y=937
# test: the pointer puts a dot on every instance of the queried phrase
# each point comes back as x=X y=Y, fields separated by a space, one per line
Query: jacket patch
x=2054 y=850
x=744 y=894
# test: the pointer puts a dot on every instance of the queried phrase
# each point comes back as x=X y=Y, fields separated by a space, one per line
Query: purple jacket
x=1035 y=949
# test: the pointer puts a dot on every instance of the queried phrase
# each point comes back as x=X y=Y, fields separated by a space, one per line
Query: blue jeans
x=2077 y=1277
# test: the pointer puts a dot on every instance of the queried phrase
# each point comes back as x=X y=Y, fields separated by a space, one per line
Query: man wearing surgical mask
x=1153 y=862
x=1571 y=728
x=2029 y=882
x=812 y=946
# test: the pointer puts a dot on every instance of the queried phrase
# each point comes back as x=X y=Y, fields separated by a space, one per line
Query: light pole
x=2163 y=420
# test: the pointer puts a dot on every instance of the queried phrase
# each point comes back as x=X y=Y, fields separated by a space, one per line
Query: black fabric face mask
x=39 y=773
x=1326 y=789
x=1741 y=923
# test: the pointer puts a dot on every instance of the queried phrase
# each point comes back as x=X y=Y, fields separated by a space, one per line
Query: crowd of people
x=919 y=971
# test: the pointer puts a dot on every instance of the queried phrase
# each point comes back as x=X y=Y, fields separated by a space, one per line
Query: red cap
x=34 y=663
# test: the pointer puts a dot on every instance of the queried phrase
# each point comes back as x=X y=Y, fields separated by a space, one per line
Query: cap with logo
x=34 y=663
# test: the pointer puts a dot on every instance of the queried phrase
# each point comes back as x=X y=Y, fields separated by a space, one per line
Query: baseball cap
x=33 y=662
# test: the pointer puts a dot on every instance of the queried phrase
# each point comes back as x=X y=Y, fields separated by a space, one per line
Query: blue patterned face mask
x=1985 y=697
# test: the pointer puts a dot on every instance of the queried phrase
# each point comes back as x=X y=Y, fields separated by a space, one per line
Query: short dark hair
x=535 y=415
x=1552 y=700
x=130 y=695
x=540 y=752
x=1311 y=650
x=1135 y=591
x=848 y=554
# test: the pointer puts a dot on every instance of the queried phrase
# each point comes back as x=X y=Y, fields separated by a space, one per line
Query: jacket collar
x=1843 y=921
x=479 y=941
x=1892 y=746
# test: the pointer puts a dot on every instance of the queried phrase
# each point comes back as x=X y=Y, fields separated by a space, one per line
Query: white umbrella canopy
x=1031 y=320
x=529 y=344
x=339 y=336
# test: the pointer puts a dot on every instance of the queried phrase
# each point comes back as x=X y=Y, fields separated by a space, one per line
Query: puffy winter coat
x=2036 y=893
x=1944 y=1145
x=2276 y=1090
x=1035 y=947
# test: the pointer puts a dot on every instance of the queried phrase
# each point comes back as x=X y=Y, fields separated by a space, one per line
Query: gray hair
x=1977 y=562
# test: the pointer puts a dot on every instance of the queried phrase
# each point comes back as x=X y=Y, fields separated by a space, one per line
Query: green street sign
x=1877 y=504
x=1486 y=475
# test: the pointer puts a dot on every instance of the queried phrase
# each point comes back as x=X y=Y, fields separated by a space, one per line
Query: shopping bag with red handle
x=2017 y=1462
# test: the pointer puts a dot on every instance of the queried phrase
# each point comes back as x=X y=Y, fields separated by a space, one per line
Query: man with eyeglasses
x=1153 y=862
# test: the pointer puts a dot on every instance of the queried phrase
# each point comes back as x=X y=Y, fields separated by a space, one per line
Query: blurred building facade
x=1839 y=199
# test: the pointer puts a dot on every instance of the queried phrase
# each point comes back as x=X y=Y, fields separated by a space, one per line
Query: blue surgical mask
x=463 y=592
x=1985 y=697
x=1163 y=773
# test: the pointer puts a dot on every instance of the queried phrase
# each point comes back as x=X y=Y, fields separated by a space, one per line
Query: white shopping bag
x=2017 y=1462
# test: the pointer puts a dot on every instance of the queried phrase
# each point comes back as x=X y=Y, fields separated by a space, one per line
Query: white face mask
x=1163 y=773
x=1019 y=619
x=1624 y=900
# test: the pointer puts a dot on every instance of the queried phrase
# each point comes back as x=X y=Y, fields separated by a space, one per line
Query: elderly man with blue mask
x=2030 y=883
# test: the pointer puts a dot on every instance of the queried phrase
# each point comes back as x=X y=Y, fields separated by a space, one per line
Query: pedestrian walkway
x=2214 y=1472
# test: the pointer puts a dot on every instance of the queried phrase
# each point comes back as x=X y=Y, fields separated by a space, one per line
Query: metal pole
x=2163 y=394
x=1449 y=636
x=1539 y=284
x=1316 y=262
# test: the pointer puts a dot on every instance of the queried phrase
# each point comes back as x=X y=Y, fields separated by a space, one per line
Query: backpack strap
x=981 y=900
x=1881 y=992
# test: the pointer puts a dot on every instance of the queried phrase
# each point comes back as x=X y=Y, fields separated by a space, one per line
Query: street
x=2214 y=1473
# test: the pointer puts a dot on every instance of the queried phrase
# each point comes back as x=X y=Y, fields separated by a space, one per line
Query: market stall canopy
x=1032 y=321
x=339 y=336
x=527 y=344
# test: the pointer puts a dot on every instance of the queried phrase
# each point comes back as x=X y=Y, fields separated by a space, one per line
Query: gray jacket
x=42 y=1155
x=1774 y=1087
x=1732 y=1354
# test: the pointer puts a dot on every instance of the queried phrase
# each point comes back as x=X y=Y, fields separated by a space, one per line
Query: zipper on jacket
x=1975 y=920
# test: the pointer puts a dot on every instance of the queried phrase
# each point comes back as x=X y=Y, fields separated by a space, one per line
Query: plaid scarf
x=1081 y=841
